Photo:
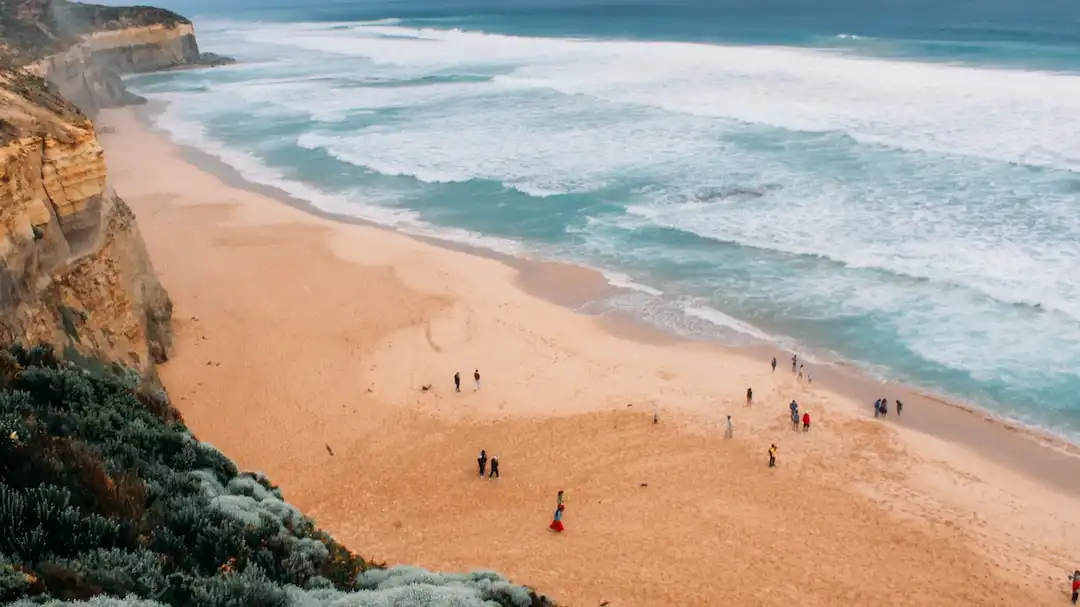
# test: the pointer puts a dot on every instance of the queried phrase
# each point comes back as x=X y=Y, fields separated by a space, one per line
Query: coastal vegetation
x=107 y=498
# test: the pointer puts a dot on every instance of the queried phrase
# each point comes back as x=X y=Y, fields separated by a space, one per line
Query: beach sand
x=298 y=336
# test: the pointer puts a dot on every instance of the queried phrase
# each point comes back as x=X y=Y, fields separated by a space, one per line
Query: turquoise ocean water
x=890 y=183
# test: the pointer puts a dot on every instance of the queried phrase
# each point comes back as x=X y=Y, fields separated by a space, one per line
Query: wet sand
x=298 y=335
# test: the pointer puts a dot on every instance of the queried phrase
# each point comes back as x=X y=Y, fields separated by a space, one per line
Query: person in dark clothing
x=884 y=407
x=774 y=364
x=1075 y=586
x=482 y=461
x=457 y=381
x=794 y=361
x=877 y=408
x=494 y=467
x=749 y=397
x=476 y=379
x=899 y=408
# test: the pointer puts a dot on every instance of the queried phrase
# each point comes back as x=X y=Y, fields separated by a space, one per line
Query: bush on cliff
x=106 y=498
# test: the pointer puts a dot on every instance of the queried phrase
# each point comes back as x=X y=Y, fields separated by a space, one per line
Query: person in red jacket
x=806 y=421
x=1075 y=585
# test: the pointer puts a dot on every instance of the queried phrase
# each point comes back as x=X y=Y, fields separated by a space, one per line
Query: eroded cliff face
x=88 y=73
x=73 y=268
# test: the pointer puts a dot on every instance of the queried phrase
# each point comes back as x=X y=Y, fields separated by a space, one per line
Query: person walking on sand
x=772 y=456
x=794 y=406
x=749 y=397
x=884 y=407
x=806 y=421
x=794 y=361
x=899 y=407
x=877 y=407
x=795 y=420
x=482 y=462
x=1075 y=586
x=556 y=525
x=774 y=364
x=800 y=371
x=560 y=498
x=476 y=380
x=729 y=430
x=494 y=467
x=457 y=381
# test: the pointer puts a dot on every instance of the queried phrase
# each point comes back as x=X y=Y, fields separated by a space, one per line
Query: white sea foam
x=1008 y=115
x=250 y=167
x=523 y=130
x=623 y=281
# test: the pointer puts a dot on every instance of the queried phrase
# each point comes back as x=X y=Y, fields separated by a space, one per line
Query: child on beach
x=476 y=379
x=749 y=397
x=806 y=422
x=482 y=461
x=556 y=525
x=457 y=381
x=772 y=456
x=494 y=467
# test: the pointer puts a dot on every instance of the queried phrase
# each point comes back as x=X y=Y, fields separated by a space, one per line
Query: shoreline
x=1030 y=450
x=321 y=353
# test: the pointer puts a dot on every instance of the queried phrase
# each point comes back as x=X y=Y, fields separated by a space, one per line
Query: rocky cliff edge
x=74 y=271
x=83 y=49
x=73 y=268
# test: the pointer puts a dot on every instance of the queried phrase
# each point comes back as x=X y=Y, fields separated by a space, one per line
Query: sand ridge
x=296 y=334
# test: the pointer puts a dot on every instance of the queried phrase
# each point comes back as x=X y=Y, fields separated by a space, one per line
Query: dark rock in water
x=214 y=60
x=736 y=194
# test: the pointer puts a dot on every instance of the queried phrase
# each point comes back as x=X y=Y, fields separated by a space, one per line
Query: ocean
x=893 y=184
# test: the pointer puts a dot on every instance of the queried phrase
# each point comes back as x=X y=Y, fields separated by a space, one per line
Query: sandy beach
x=322 y=353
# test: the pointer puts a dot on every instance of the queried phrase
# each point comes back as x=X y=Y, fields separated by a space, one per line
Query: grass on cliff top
x=32 y=29
x=107 y=498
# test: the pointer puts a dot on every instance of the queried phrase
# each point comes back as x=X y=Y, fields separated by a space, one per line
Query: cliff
x=84 y=48
x=73 y=268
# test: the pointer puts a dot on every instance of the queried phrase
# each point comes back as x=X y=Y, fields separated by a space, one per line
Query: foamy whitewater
x=846 y=195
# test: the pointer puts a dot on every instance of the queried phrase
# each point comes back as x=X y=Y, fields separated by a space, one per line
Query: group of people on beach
x=881 y=407
x=796 y=367
x=795 y=418
x=482 y=461
x=476 y=380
